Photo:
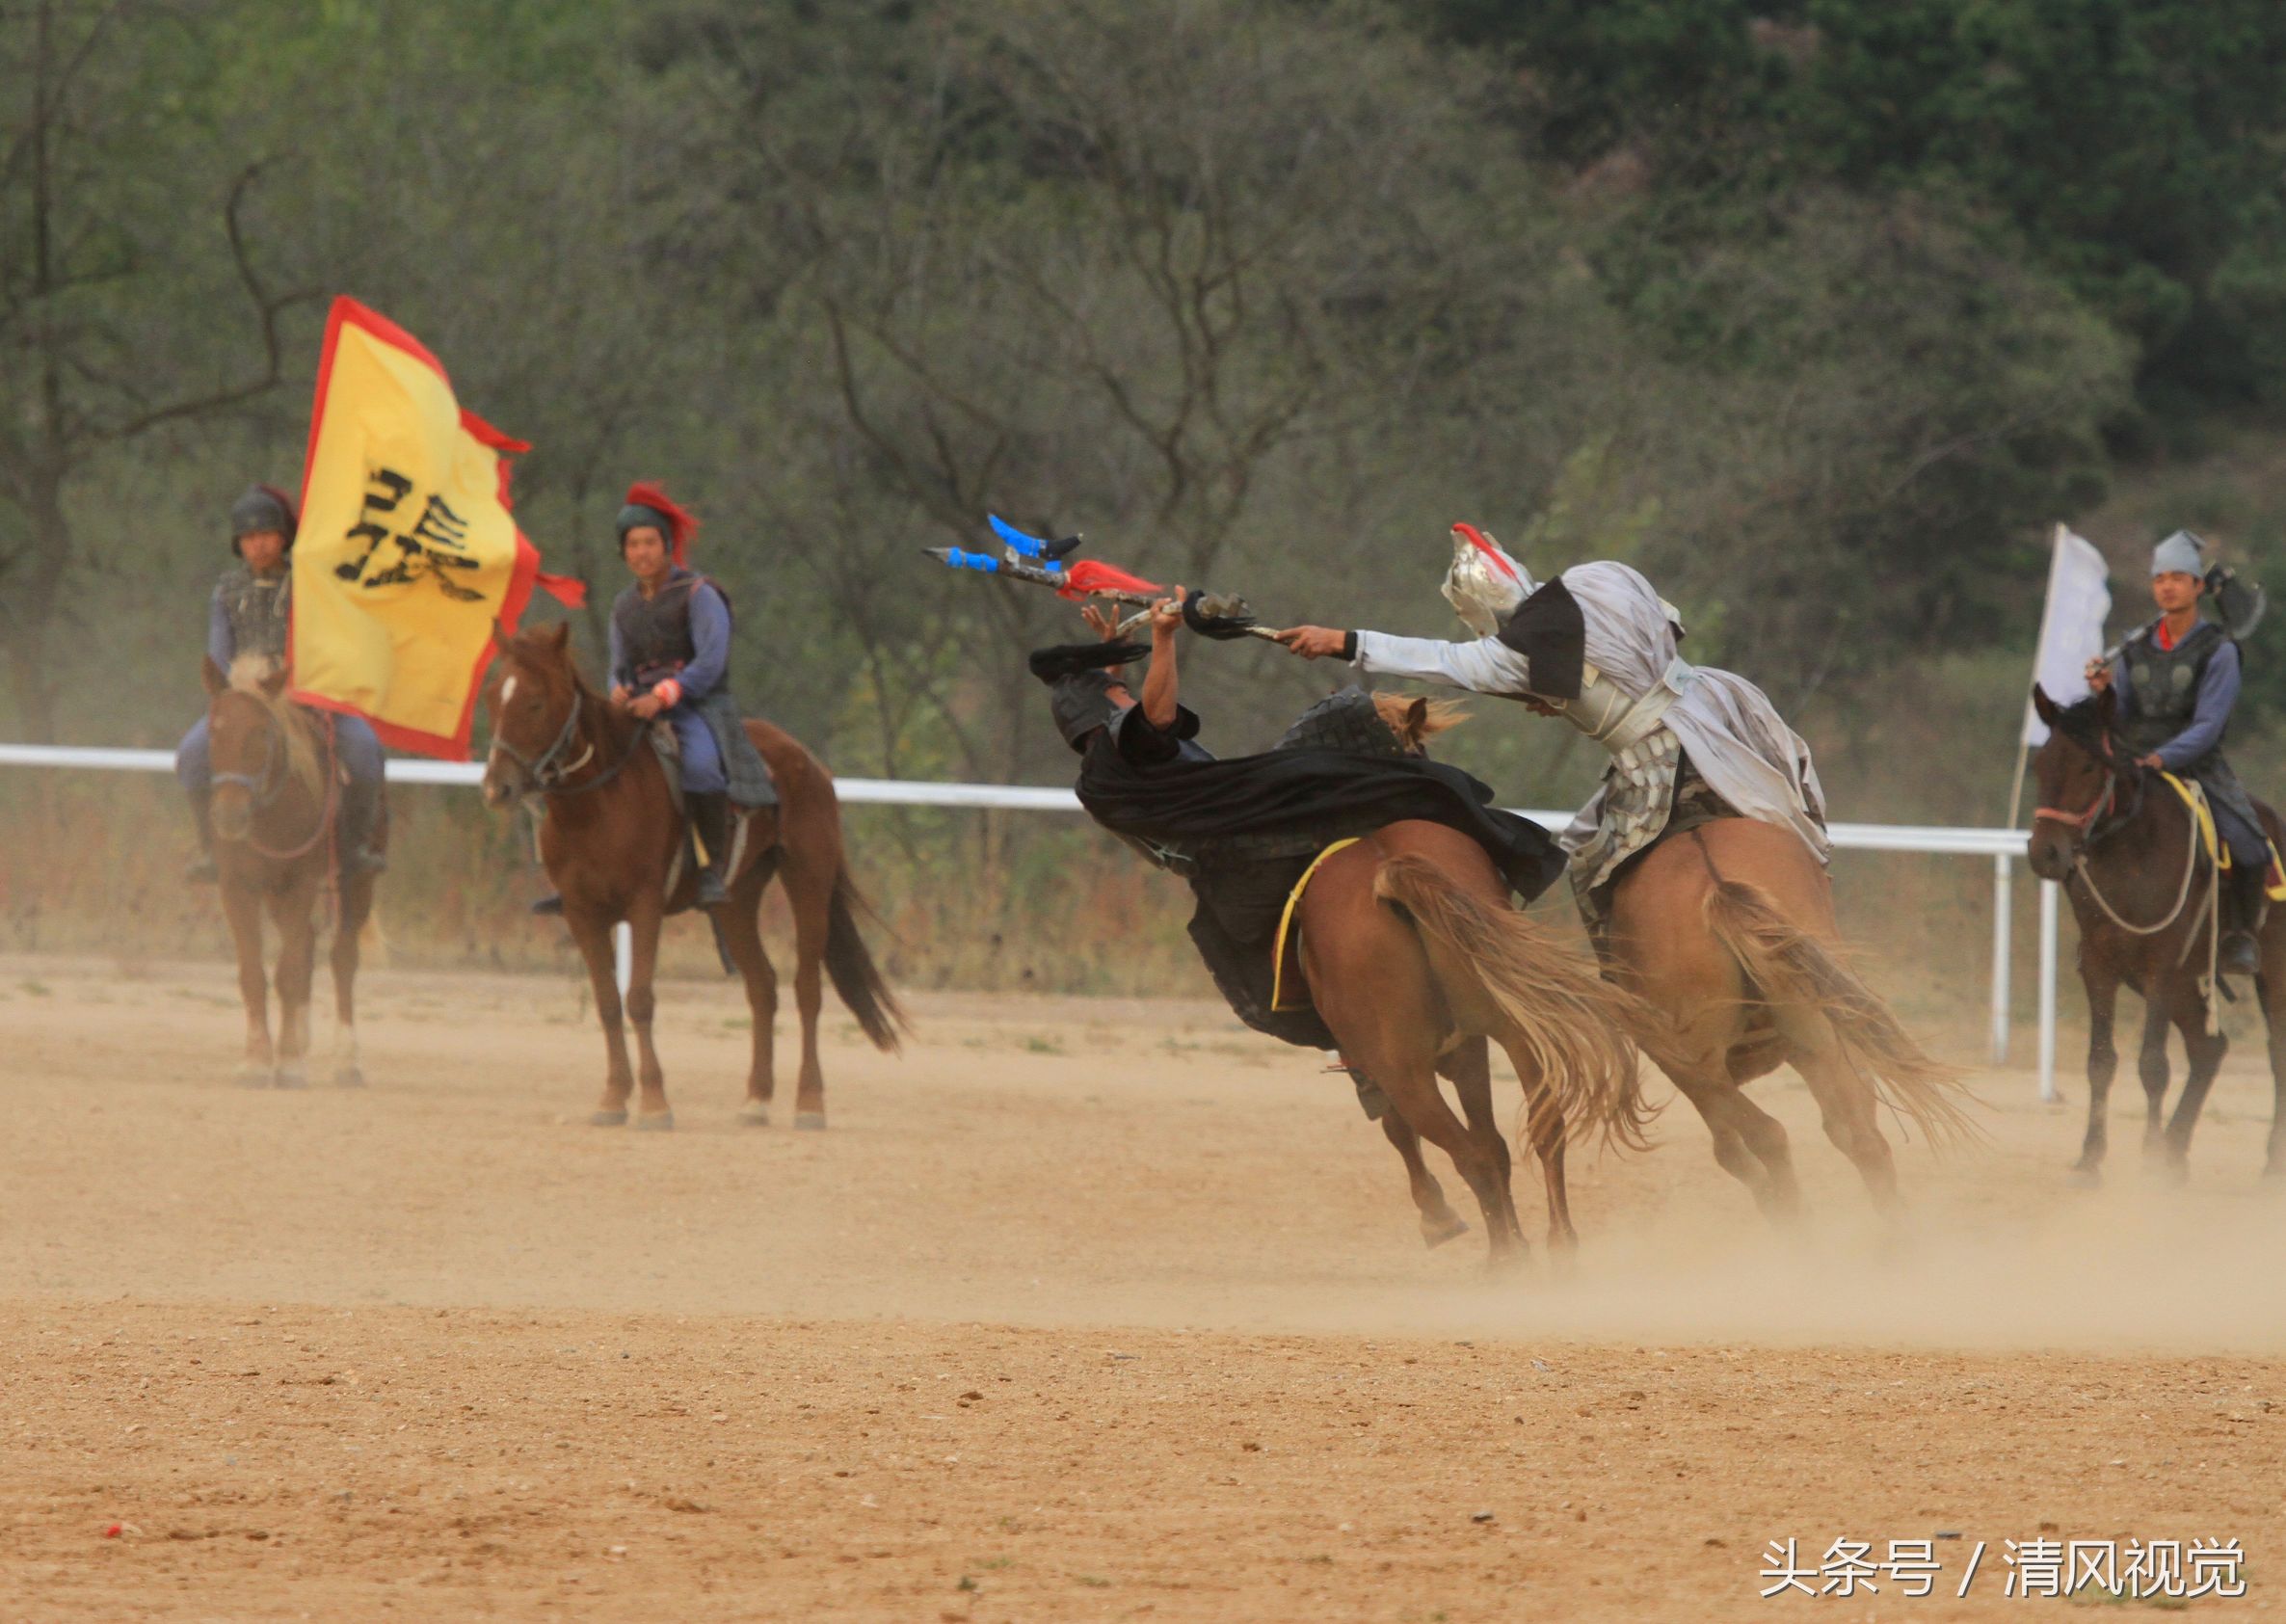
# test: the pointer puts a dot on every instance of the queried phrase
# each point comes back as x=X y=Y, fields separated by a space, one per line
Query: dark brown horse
x=612 y=842
x=276 y=791
x=1414 y=959
x=2128 y=854
x=1728 y=931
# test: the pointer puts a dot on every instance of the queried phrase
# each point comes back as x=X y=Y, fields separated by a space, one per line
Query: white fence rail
x=2003 y=845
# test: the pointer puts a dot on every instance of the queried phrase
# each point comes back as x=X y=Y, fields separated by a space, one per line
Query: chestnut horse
x=1414 y=958
x=2142 y=889
x=1727 y=930
x=612 y=842
x=276 y=791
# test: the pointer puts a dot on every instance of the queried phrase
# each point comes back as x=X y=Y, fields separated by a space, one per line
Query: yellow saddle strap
x=1293 y=899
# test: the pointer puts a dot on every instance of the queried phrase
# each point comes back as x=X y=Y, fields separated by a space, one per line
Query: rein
x=548 y=776
x=2090 y=821
x=266 y=792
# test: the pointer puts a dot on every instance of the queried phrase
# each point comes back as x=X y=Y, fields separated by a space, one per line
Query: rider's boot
x=201 y=868
x=360 y=819
x=711 y=815
x=2241 y=952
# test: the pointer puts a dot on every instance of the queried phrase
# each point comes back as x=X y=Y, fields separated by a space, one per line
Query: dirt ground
x=1079 y=1310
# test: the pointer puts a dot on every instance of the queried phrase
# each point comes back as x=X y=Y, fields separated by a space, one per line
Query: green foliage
x=1817 y=311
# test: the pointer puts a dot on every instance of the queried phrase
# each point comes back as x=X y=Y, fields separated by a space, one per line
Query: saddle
x=669 y=750
x=2218 y=850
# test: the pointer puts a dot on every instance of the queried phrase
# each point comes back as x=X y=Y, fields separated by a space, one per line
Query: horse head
x=2077 y=775
x=257 y=742
x=532 y=699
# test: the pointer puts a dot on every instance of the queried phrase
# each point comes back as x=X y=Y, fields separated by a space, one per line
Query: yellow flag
x=407 y=551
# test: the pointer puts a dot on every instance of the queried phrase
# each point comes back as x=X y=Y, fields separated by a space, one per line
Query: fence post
x=1999 y=958
x=2049 y=892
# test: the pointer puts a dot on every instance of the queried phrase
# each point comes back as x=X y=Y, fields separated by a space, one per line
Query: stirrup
x=712 y=893
x=549 y=906
x=2241 y=954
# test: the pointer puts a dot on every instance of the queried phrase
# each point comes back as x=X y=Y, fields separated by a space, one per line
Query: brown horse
x=1728 y=931
x=276 y=790
x=2128 y=855
x=1414 y=959
x=613 y=844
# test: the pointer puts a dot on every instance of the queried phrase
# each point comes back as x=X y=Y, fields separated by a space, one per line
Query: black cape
x=1191 y=805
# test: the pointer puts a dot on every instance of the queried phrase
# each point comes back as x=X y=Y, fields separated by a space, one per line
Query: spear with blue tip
x=1040 y=562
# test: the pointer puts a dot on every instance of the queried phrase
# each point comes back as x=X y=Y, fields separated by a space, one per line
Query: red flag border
x=525 y=573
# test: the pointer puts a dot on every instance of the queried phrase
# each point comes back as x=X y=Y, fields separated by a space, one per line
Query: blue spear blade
x=1020 y=544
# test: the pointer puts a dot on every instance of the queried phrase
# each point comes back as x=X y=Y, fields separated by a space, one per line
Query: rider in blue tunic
x=2178 y=678
x=249 y=613
x=670 y=658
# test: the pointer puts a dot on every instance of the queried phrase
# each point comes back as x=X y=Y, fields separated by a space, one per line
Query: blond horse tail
x=1788 y=965
x=1575 y=1026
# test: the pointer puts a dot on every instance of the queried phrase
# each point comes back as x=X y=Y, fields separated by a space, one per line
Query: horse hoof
x=1434 y=1233
x=292 y=1075
x=754 y=1114
x=655 y=1122
x=809 y=1122
x=348 y=1076
x=252 y=1076
x=608 y=1119
x=2085 y=1178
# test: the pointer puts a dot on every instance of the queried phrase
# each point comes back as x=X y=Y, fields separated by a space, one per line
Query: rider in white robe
x=1610 y=667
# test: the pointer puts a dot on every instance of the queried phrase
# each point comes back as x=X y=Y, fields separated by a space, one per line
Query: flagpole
x=2002 y=913
x=2023 y=727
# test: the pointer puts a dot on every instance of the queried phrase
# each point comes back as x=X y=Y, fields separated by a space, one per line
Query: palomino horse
x=1414 y=958
x=2129 y=855
x=611 y=842
x=1727 y=930
x=276 y=790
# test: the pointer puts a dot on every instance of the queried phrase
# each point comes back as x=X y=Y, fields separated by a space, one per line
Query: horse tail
x=857 y=978
x=1576 y=1027
x=1788 y=965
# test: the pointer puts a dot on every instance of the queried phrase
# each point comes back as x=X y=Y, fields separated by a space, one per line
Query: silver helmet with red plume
x=1485 y=584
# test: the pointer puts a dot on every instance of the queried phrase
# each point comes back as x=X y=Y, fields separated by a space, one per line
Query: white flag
x=2071 y=626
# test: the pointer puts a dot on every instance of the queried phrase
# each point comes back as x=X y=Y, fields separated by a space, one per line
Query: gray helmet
x=2180 y=555
x=1079 y=679
x=1081 y=703
x=263 y=507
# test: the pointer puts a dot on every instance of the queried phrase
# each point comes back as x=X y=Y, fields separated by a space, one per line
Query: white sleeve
x=1485 y=666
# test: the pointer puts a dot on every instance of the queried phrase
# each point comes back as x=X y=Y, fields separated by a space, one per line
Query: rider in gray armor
x=249 y=613
x=2178 y=678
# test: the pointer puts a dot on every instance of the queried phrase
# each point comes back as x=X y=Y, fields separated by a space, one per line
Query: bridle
x=2090 y=822
x=265 y=792
x=259 y=785
x=549 y=771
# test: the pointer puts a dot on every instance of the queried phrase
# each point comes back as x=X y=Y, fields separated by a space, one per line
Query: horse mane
x=251 y=676
x=1441 y=716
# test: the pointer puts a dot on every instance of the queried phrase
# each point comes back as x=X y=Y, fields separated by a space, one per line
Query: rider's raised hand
x=1166 y=617
x=2099 y=675
x=1101 y=621
x=1312 y=642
